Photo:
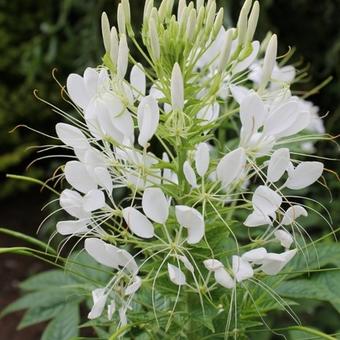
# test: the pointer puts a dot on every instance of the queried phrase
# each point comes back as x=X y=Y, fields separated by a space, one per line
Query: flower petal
x=274 y=263
x=72 y=227
x=305 y=174
x=155 y=205
x=212 y=264
x=137 y=80
x=292 y=214
x=99 y=297
x=148 y=119
x=266 y=201
x=189 y=174
x=176 y=275
x=279 y=162
x=76 y=90
x=255 y=256
x=191 y=219
x=93 y=200
x=230 y=167
x=138 y=223
x=202 y=158
x=77 y=175
x=134 y=286
x=71 y=136
x=284 y=237
x=223 y=278
x=242 y=269
x=257 y=218
x=97 y=248
x=186 y=263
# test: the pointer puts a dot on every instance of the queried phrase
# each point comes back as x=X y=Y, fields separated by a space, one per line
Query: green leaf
x=39 y=314
x=46 y=280
x=324 y=286
x=315 y=257
x=64 y=326
x=46 y=298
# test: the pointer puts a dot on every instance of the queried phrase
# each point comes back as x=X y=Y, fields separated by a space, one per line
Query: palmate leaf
x=65 y=325
x=46 y=298
x=323 y=286
x=46 y=280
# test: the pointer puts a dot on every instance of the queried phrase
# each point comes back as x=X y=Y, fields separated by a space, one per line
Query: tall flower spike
x=177 y=88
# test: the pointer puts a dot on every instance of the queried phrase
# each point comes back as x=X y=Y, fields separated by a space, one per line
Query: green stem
x=311 y=331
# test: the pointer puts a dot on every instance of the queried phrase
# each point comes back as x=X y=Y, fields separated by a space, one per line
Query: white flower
x=255 y=256
x=266 y=201
x=134 y=286
x=138 y=81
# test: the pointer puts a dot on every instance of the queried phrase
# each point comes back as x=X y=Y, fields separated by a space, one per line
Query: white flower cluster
x=199 y=76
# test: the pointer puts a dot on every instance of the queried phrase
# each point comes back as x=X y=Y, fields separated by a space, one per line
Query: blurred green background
x=37 y=36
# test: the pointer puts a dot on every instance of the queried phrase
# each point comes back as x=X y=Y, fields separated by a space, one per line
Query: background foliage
x=37 y=36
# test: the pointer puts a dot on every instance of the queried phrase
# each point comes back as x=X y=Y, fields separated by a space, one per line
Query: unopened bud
x=200 y=19
x=190 y=31
x=126 y=10
x=181 y=5
x=147 y=10
x=242 y=22
x=154 y=40
x=199 y=4
x=177 y=88
x=123 y=56
x=218 y=22
x=225 y=54
x=106 y=31
x=211 y=11
x=269 y=61
x=114 y=45
x=121 y=19
x=252 y=22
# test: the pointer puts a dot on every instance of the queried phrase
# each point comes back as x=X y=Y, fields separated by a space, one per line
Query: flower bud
x=181 y=6
x=154 y=40
x=114 y=45
x=147 y=10
x=106 y=31
x=225 y=54
x=252 y=22
x=126 y=11
x=242 y=22
x=218 y=22
x=177 y=88
x=211 y=11
x=191 y=24
x=121 y=19
x=123 y=56
x=199 y=4
x=269 y=61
